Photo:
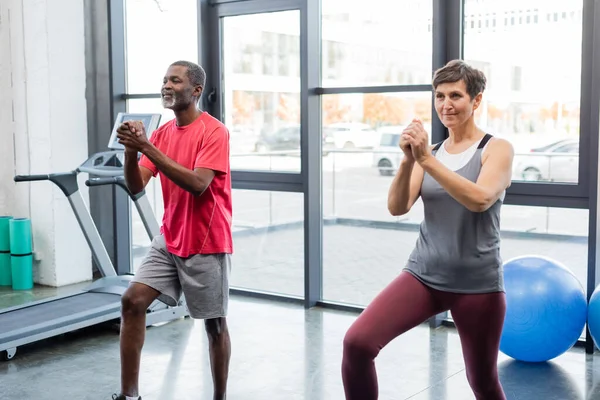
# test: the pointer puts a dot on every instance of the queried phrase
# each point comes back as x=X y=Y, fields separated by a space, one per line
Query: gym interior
x=315 y=94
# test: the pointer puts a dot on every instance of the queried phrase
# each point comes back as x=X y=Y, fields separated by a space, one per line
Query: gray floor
x=280 y=351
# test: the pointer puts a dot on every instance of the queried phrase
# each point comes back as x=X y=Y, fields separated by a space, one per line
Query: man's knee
x=137 y=298
x=216 y=327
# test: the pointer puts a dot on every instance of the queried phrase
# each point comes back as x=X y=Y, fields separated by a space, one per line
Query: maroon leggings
x=406 y=303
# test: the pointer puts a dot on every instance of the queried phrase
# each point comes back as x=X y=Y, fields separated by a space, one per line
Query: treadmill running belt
x=60 y=308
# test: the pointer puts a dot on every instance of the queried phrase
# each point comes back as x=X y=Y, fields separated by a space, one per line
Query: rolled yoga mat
x=21 y=258
x=22 y=272
x=5 y=268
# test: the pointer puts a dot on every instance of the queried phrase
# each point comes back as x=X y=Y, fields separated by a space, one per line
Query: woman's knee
x=485 y=384
x=357 y=343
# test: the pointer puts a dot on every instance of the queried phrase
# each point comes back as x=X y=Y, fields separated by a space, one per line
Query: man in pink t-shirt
x=190 y=155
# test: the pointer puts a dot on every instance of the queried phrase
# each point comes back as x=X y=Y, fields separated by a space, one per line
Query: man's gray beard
x=169 y=103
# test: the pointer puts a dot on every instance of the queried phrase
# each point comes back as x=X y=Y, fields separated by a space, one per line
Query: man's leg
x=219 y=346
x=156 y=278
x=135 y=302
x=205 y=282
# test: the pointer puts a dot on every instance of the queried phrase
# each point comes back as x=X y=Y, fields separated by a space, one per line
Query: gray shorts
x=203 y=279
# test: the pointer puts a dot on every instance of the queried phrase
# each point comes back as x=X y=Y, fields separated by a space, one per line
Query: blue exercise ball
x=594 y=317
x=546 y=309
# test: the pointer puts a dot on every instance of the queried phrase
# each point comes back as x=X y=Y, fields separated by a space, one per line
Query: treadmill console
x=107 y=163
x=110 y=163
x=150 y=122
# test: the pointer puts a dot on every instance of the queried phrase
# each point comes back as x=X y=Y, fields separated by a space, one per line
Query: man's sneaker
x=121 y=397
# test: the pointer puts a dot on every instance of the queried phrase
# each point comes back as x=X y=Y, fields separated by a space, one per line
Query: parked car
x=350 y=135
x=285 y=138
x=242 y=140
x=387 y=156
x=557 y=161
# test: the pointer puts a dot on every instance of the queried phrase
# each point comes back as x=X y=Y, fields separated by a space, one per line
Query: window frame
x=559 y=194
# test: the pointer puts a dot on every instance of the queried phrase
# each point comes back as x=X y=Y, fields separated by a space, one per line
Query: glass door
x=259 y=101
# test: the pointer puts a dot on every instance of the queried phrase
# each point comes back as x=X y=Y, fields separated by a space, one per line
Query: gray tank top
x=458 y=250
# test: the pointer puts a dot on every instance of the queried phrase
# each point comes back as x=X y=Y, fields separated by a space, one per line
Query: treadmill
x=101 y=300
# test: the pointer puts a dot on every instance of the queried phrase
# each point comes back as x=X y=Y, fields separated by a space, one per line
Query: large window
x=387 y=42
x=361 y=155
x=158 y=33
x=558 y=233
x=268 y=242
x=389 y=45
x=261 y=68
x=362 y=242
x=139 y=238
x=531 y=54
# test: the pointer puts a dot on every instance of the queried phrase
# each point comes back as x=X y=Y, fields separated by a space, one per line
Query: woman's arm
x=494 y=178
x=405 y=188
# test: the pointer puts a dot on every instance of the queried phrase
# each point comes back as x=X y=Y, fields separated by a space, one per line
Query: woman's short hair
x=457 y=70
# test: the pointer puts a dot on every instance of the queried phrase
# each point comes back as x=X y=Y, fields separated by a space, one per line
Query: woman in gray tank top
x=456 y=263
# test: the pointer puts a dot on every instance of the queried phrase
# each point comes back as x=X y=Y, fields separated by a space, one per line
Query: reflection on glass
x=558 y=233
x=361 y=257
x=531 y=54
x=361 y=134
x=153 y=190
x=359 y=261
x=268 y=240
x=140 y=241
x=546 y=221
x=150 y=30
x=261 y=61
x=139 y=238
x=389 y=42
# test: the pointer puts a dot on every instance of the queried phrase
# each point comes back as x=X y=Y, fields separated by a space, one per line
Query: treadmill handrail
x=140 y=200
x=115 y=180
x=43 y=177
x=66 y=181
x=29 y=178
x=102 y=171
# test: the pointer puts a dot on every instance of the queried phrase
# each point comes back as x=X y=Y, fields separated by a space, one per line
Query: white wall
x=43 y=127
x=7 y=203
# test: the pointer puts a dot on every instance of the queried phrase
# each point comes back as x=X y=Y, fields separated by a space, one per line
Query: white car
x=342 y=135
x=555 y=162
x=387 y=156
